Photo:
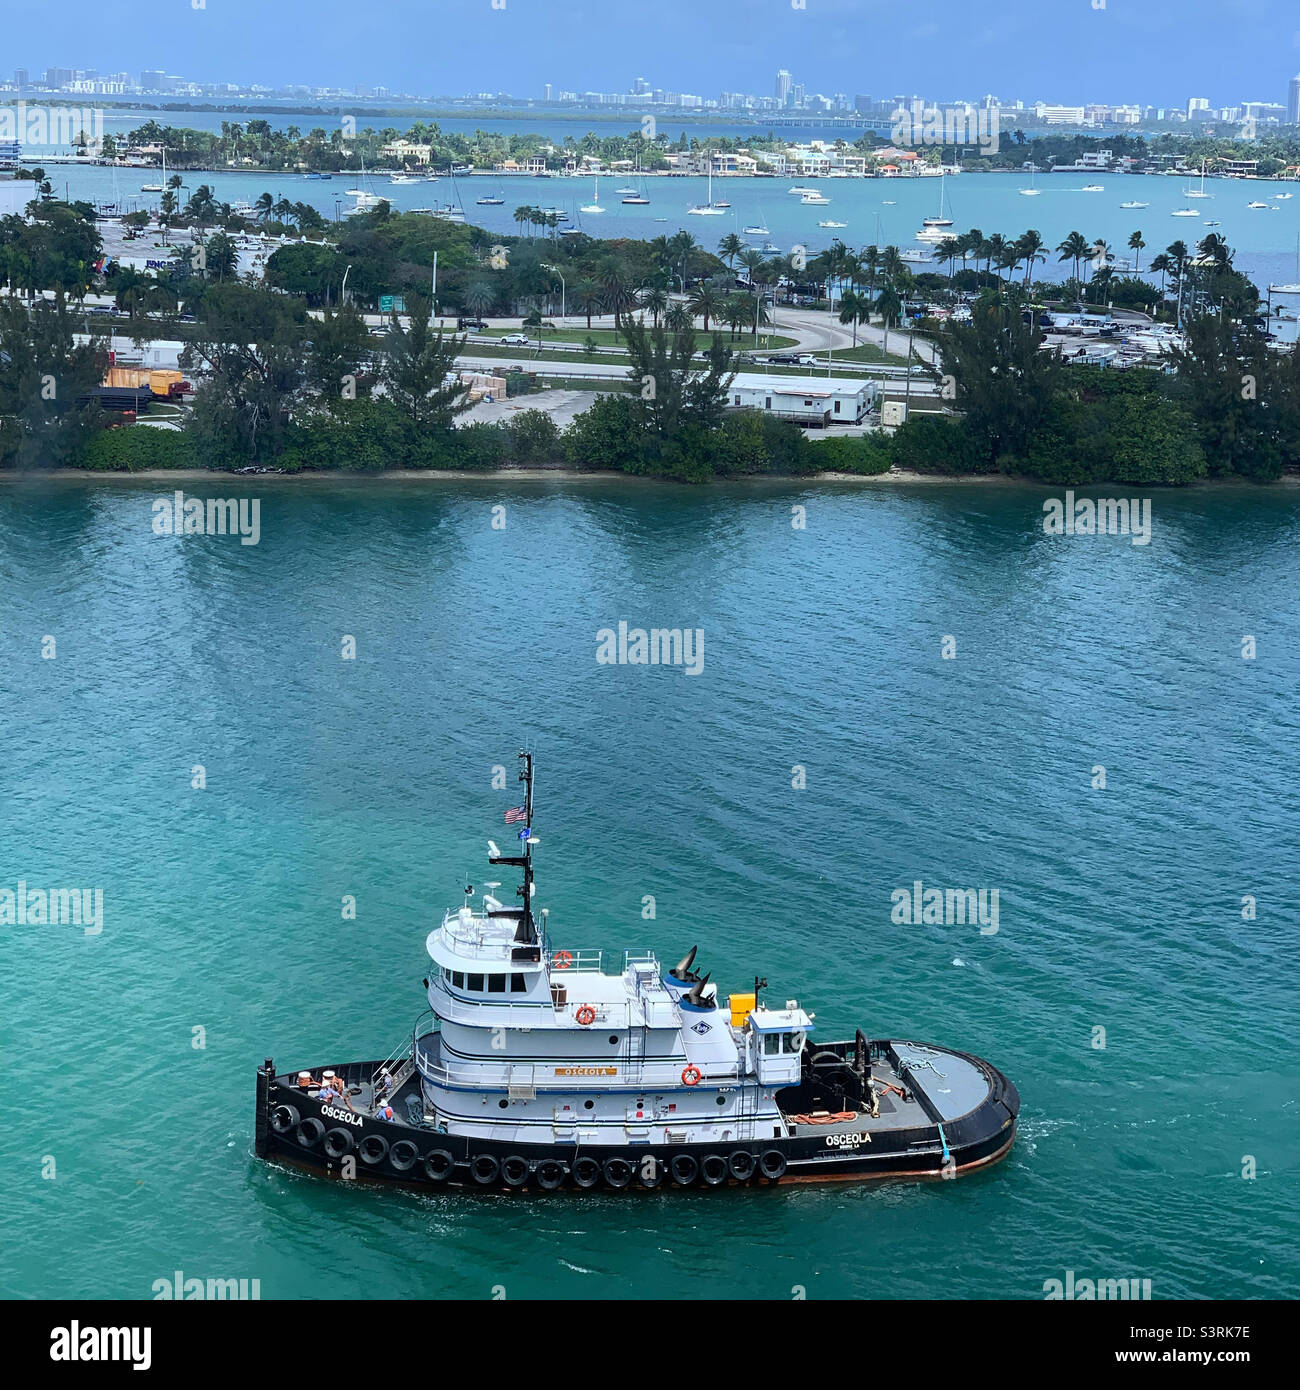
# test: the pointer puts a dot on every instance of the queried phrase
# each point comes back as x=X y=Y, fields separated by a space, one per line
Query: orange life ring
x=691 y=1076
x=585 y=1015
x=562 y=960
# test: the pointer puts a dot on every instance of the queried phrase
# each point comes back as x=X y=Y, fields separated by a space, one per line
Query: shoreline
x=568 y=475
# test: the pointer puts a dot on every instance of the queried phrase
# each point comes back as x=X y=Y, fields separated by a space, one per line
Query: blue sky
x=1160 y=51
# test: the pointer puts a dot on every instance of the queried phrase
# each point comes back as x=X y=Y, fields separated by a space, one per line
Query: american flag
x=515 y=814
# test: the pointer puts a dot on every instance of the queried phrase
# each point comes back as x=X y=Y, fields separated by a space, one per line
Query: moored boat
x=534 y=1068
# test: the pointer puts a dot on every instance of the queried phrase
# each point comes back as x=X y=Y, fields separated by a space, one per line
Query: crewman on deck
x=385 y=1112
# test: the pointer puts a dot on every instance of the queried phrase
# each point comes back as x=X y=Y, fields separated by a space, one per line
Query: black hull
x=348 y=1146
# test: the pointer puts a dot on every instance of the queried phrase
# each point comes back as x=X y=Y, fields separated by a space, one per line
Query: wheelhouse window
x=496 y=984
x=771 y=1044
x=458 y=978
x=474 y=982
x=518 y=984
x=791 y=1042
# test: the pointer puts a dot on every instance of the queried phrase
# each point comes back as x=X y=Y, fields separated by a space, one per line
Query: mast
x=527 y=939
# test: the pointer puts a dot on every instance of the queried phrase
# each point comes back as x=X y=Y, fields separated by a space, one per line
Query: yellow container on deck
x=742 y=1005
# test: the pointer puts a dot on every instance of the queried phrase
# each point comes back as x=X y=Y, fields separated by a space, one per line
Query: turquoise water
x=1119 y=908
x=881 y=211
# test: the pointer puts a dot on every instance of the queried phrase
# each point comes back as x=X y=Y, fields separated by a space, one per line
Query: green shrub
x=135 y=448
x=867 y=453
x=534 y=437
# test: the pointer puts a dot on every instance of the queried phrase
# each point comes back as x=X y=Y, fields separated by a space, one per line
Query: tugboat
x=533 y=1069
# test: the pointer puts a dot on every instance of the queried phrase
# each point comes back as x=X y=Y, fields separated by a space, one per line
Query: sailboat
x=1198 y=193
x=1033 y=190
x=496 y=202
x=594 y=205
x=941 y=220
x=706 y=209
x=157 y=187
x=636 y=196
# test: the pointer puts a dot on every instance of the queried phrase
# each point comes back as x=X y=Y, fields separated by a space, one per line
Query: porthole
x=613 y=1040
x=503 y=1104
x=588 y=1104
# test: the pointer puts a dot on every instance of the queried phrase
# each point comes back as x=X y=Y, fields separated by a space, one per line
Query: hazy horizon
x=1155 y=52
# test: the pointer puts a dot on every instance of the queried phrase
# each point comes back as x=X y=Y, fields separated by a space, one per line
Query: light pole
x=564 y=291
x=343 y=293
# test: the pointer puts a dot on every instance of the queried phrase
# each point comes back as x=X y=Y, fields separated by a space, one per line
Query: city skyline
x=704 y=51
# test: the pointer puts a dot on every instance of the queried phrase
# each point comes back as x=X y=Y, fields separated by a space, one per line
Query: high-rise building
x=58 y=77
x=20 y=78
x=640 y=87
x=152 y=79
x=1198 y=109
x=783 y=84
x=1293 y=103
x=546 y=92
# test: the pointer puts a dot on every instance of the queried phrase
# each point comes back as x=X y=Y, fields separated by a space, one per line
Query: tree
x=705 y=300
x=419 y=374
x=670 y=391
x=45 y=377
x=730 y=247
x=340 y=344
x=221 y=257
x=890 y=308
x=249 y=343
x=1030 y=248
x=1004 y=382
x=586 y=297
x=1074 y=248
x=655 y=299
x=1135 y=244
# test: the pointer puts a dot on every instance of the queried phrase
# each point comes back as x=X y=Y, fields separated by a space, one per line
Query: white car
x=514 y=339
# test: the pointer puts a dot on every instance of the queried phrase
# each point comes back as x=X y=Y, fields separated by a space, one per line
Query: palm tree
x=735 y=312
x=586 y=295
x=1162 y=265
x=869 y=262
x=948 y=250
x=479 y=297
x=656 y=300
x=853 y=306
x=729 y=248
x=1074 y=248
x=706 y=300
x=523 y=214
x=679 y=318
x=616 y=290
x=890 y=309
x=995 y=249
x=262 y=208
x=1214 y=248
x=1135 y=244
x=1030 y=247
x=892 y=264
x=680 y=247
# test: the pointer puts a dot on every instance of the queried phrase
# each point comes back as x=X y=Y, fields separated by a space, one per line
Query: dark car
x=470 y=323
